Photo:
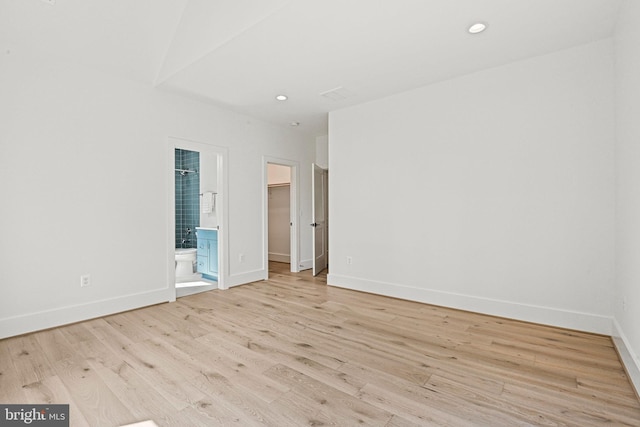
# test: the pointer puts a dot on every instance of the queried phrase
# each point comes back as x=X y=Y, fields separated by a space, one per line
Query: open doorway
x=197 y=212
x=280 y=207
x=279 y=213
x=320 y=218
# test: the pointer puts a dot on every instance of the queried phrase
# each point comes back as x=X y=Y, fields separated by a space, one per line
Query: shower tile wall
x=187 y=198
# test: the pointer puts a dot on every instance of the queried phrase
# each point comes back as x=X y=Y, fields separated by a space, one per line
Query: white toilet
x=185 y=262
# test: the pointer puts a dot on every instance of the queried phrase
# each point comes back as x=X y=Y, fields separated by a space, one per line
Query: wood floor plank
x=54 y=340
x=614 y=391
x=29 y=361
x=397 y=421
x=97 y=403
x=412 y=409
x=342 y=408
x=292 y=351
x=129 y=325
x=137 y=395
x=261 y=386
x=554 y=406
x=52 y=391
x=166 y=372
x=510 y=413
x=246 y=406
x=10 y=381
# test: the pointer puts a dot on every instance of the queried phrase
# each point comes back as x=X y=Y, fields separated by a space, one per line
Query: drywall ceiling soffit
x=241 y=53
x=122 y=37
x=205 y=25
x=369 y=49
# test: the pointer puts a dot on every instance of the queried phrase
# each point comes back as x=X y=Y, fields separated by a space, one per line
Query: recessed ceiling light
x=294 y=124
x=282 y=97
x=478 y=27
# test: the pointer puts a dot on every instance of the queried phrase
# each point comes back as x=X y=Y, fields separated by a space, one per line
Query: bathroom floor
x=189 y=288
x=192 y=284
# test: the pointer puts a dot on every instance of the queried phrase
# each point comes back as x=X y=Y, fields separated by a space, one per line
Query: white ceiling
x=241 y=53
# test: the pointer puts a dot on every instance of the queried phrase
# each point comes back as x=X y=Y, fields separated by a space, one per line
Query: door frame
x=294 y=214
x=222 y=211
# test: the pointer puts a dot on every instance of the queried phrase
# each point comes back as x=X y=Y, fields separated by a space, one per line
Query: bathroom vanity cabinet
x=207 y=253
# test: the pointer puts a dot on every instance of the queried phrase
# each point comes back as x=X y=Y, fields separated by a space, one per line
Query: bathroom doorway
x=197 y=212
x=280 y=207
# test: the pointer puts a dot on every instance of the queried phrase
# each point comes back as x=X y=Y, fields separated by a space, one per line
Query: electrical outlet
x=241 y=258
x=349 y=260
x=85 y=280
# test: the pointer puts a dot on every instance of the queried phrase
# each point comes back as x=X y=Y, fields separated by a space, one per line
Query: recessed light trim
x=282 y=97
x=477 y=28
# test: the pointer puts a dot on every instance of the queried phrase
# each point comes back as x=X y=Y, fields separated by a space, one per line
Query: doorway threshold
x=194 y=284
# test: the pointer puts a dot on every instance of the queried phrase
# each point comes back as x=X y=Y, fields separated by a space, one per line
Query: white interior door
x=319 y=218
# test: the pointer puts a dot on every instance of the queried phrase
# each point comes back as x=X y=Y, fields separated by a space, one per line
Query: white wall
x=627 y=288
x=322 y=151
x=209 y=183
x=492 y=192
x=83 y=167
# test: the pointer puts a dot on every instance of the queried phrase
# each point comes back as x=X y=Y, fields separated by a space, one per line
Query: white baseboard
x=247 y=277
x=31 y=322
x=529 y=313
x=279 y=257
x=629 y=358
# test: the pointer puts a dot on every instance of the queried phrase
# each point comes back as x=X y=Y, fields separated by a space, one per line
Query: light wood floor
x=293 y=352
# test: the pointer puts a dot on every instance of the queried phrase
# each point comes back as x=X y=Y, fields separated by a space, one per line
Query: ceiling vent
x=337 y=94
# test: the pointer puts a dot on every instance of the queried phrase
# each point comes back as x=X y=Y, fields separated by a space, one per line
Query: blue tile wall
x=187 y=198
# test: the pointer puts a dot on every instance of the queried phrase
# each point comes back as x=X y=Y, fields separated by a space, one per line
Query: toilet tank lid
x=186 y=250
